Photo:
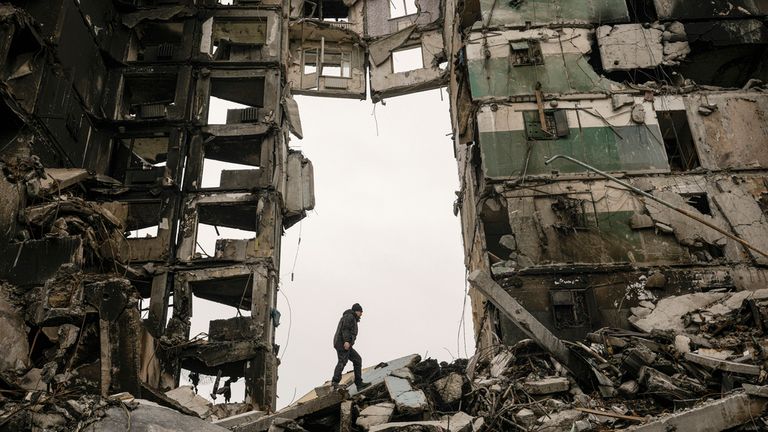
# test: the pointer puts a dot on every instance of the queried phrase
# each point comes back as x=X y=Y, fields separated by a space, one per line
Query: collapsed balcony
x=233 y=36
x=149 y=93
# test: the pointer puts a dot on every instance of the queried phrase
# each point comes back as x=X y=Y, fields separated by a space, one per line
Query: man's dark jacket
x=346 y=330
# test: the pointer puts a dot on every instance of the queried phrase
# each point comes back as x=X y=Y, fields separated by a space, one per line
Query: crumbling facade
x=106 y=133
x=665 y=96
x=610 y=152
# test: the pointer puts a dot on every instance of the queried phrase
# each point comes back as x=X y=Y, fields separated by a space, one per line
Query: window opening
x=207 y=235
x=572 y=215
x=212 y=171
x=146 y=232
x=147 y=96
x=495 y=219
x=698 y=201
x=407 y=60
x=401 y=8
x=235 y=100
x=556 y=125
x=325 y=9
x=337 y=64
x=525 y=53
x=678 y=141
x=157 y=41
x=237 y=39
x=140 y=159
x=569 y=308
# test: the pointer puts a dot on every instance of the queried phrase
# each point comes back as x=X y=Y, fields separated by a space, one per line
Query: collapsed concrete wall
x=645 y=92
x=108 y=132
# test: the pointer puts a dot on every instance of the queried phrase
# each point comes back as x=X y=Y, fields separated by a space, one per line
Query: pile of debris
x=698 y=363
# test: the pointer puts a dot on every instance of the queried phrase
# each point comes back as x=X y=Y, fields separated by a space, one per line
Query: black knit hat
x=357 y=308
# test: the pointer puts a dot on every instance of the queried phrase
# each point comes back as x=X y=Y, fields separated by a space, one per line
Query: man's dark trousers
x=357 y=364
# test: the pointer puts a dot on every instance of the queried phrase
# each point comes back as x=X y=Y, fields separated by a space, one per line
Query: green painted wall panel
x=554 y=11
x=569 y=73
x=639 y=149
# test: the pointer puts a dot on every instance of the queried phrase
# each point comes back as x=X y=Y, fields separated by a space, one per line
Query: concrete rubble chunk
x=508 y=241
x=376 y=374
x=668 y=313
x=407 y=400
x=13 y=344
x=526 y=417
x=449 y=387
x=285 y=425
x=559 y=421
x=403 y=373
x=640 y=312
x=629 y=388
x=33 y=380
x=723 y=365
x=150 y=417
x=110 y=119
x=755 y=390
x=187 y=397
x=237 y=419
x=712 y=416
x=374 y=415
x=546 y=386
x=345 y=416
x=459 y=422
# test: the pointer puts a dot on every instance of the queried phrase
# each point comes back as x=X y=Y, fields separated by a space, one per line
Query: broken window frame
x=557 y=124
x=137 y=50
x=525 y=52
x=681 y=156
x=577 y=307
x=214 y=44
x=573 y=214
x=316 y=10
x=334 y=58
x=404 y=49
x=394 y=12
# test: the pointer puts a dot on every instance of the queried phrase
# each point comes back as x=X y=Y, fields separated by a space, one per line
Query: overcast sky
x=382 y=234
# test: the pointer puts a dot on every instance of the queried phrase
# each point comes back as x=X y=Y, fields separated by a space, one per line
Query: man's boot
x=362 y=385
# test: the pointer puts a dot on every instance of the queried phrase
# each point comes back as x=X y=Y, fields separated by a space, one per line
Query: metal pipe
x=660 y=201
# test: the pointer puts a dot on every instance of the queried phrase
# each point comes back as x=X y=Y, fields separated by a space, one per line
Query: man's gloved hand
x=347 y=346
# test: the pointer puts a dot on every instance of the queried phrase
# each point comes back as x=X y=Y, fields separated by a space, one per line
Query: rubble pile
x=701 y=365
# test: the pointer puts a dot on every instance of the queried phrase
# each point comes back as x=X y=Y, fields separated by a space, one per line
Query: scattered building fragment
x=524 y=386
x=108 y=129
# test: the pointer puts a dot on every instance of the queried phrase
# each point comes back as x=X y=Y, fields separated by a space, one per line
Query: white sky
x=382 y=234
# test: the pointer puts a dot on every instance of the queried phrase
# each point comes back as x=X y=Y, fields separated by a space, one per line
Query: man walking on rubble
x=343 y=342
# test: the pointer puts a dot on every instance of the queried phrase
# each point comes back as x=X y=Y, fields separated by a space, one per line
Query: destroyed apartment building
x=612 y=159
